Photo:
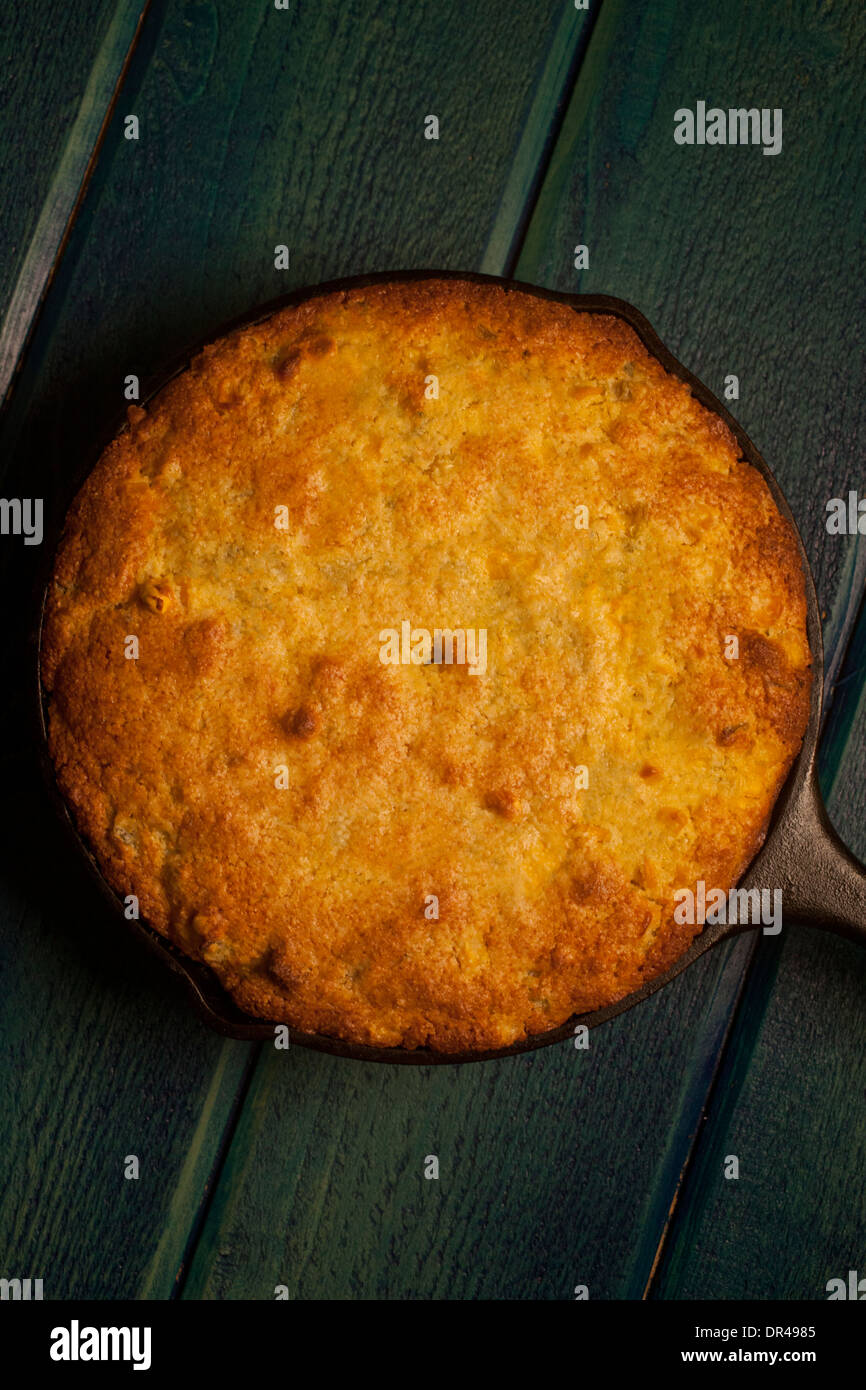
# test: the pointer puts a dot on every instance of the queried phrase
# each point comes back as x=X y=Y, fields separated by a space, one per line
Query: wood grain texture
x=791 y=1103
x=743 y=263
x=101 y=1060
x=572 y=1173
x=707 y=250
x=59 y=70
x=257 y=127
x=539 y=1190
x=557 y=1168
x=791 y=1109
x=540 y=131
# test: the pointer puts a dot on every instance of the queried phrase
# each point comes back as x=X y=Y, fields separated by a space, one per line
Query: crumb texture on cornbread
x=291 y=810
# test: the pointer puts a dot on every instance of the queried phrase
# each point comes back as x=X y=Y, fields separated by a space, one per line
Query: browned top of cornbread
x=311 y=891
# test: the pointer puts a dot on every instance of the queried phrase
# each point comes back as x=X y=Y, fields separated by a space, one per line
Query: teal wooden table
x=305 y=126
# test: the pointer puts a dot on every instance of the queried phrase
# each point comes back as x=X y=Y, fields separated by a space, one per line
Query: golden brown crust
x=406 y=785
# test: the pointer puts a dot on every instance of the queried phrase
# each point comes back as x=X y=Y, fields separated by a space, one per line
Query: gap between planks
x=841 y=632
x=553 y=95
x=552 y=98
x=69 y=186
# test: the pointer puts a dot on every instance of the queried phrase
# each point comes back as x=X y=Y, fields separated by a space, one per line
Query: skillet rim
x=211 y=1002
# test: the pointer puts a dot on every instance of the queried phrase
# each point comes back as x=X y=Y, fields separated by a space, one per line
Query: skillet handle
x=823 y=884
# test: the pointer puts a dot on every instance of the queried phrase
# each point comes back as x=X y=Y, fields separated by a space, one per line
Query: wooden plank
x=559 y=1169
x=795 y=1074
x=58 y=77
x=791 y=1095
x=101 y=1061
x=540 y=132
x=721 y=287
x=257 y=127
x=538 y=1190
x=821 y=63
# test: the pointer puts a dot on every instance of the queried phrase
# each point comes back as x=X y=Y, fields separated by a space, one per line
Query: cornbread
x=408 y=851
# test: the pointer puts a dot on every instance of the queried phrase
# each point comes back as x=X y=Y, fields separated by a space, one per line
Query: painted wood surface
x=264 y=1168
x=60 y=69
x=736 y=303
x=618 y=183
x=791 y=1098
x=255 y=129
x=709 y=250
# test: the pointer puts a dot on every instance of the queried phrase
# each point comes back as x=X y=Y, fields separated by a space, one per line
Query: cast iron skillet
x=823 y=884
